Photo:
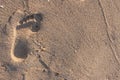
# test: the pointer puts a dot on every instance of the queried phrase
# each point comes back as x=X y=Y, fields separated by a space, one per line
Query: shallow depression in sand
x=25 y=27
x=21 y=49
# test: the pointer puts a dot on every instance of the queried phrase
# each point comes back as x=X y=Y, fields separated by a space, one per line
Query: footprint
x=34 y=20
x=21 y=30
x=21 y=49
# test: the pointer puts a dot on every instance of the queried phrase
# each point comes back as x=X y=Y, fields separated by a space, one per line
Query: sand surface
x=59 y=39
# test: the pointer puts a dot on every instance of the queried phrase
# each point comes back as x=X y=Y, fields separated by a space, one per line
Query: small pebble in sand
x=1 y=6
x=82 y=0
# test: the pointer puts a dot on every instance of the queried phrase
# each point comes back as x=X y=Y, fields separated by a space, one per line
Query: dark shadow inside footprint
x=35 y=27
x=21 y=49
x=25 y=25
x=34 y=24
x=38 y=17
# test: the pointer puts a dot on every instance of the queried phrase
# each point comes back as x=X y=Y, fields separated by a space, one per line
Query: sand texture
x=59 y=39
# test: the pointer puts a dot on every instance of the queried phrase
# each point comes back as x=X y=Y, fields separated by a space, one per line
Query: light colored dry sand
x=77 y=40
